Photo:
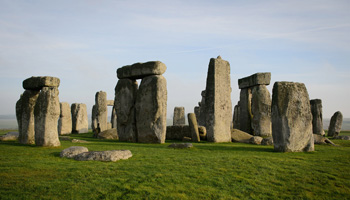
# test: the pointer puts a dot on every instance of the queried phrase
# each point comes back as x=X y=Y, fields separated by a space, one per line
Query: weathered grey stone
x=192 y=122
x=240 y=136
x=335 y=124
x=47 y=112
x=151 y=108
x=255 y=140
x=79 y=141
x=179 y=116
x=64 y=138
x=79 y=118
x=124 y=103
x=180 y=145
x=202 y=114
x=291 y=118
x=141 y=70
x=267 y=141
x=114 y=118
x=317 y=121
x=72 y=151
x=202 y=132
x=186 y=139
x=109 y=125
x=27 y=132
x=94 y=124
x=342 y=137
x=236 y=117
x=110 y=134
x=113 y=155
x=177 y=132
x=19 y=114
x=101 y=108
x=9 y=136
x=110 y=102
x=245 y=112
x=261 y=111
x=65 y=120
x=218 y=106
x=38 y=82
x=319 y=139
x=197 y=112
x=255 y=79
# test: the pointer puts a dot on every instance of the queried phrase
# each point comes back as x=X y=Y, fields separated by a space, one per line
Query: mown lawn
x=207 y=171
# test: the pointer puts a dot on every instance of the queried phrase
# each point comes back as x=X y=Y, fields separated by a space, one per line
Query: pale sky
x=84 y=42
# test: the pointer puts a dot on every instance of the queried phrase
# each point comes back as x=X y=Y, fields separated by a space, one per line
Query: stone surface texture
x=141 y=70
x=110 y=134
x=291 y=118
x=335 y=124
x=192 y=122
x=342 y=137
x=179 y=116
x=19 y=114
x=317 y=120
x=107 y=156
x=261 y=111
x=151 y=108
x=254 y=80
x=236 y=117
x=245 y=112
x=65 y=120
x=178 y=132
x=94 y=124
x=267 y=141
x=124 y=103
x=255 y=140
x=79 y=118
x=47 y=112
x=218 y=106
x=240 y=136
x=180 y=145
x=202 y=115
x=202 y=132
x=101 y=110
x=110 y=102
x=73 y=151
x=114 y=117
x=38 y=82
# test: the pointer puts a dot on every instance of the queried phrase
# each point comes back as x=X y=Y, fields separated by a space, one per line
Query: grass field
x=207 y=171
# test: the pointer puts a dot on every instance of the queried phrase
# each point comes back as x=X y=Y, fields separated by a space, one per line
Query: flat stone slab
x=9 y=136
x=240 y=136
x=181 y=145
x=342 y=137
x=113 y=155
x=255 y=79
x=79 y=141
x=73 y=151
x=141 y=70
x=38 y=82
x=109 y=134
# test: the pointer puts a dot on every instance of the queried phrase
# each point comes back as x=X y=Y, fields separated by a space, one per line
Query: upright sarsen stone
x=335 y=124
x=218 y=105
x=124 y=103
x=245 y=112
x=291 y=118
x=94 y=124
x=317 y=121
x=47 y=112
x=19 y=114
x=79 y=118
x=192 y=122
x=151 y=107
x=27 y=133
x=202 y=113
x=101 y=110
x=236 y=117
x=65 y=121
x=114 y=117
x=261 y=111
x=179 y=116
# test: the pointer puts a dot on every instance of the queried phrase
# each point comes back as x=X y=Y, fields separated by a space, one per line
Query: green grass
x=207 y=171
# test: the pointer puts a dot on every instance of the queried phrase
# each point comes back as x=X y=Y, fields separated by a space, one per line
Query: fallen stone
x=79 y=118
x=38 y=82
x=73 y=151
x=255 y=79
x=141 y=70
x=179 y=116
x=79 y=141
x=64 y=138
x=186 y=139
x=319 y=139
x=342 y=137
x=110 y=134
x=10 y=136
x=291 y=118
x=335 y=124
x=65 y=120
x=255 y=140
x=316 y=110
x=240 y=136
x=267 y=141
x=107 y=156
x=181 y=145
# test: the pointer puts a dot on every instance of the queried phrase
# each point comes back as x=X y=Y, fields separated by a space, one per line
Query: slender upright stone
x=236 y=116
x=65 y=121
x=94 y=123
x=27 y=134
x=101 y=108
x=192 y=122
x=202 y=114
x=335 y=124
x=197 y=112
x=245 y=113
x=47 y=112
x=124 y=103
x=291 y=118
x=218 y=105
x=79 y=118
x=151 y=107
x=261 y=111
x=19 y=114
x=114 y=117
x=317 y=121
x=179 y=116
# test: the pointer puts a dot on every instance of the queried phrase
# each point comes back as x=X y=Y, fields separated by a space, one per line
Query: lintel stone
x=255 y=79
x=141 y=70
x=38 y=82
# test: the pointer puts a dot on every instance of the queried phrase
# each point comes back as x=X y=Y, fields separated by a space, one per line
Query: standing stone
x=47 y=112
x=197 y=112
x=245 y=113
x=179 y=116
x=79 y=118
x=291 y=118
x=151 y=107
x=261 y=111
x=201 y=119
x=65 y=121
x=218 y=106
x=102 y=111
x=94 y=123
x=124 y=103
x=335 y=124
x=192 y=122
x=27 y=133
x=114 y=117
x=19 y=114
x=236 y=116
x=316 y=110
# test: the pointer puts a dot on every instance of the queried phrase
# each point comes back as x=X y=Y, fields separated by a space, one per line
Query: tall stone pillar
x=79 y=118
x=335 y=124
x=114 y=117
x=101 y=110
x=179 y=116
x=218 y=105
x=317 y=121
x=202 y=114
x=65 y=120
x=245 y=117
x=261 y=111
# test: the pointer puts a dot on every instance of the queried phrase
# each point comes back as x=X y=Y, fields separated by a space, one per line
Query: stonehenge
x=252 y=114
x=38 y=110
x=335 y=124
x=79 y=118
x=141 y=111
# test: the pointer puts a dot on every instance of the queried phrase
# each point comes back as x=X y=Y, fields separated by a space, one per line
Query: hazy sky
x=84 y=42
